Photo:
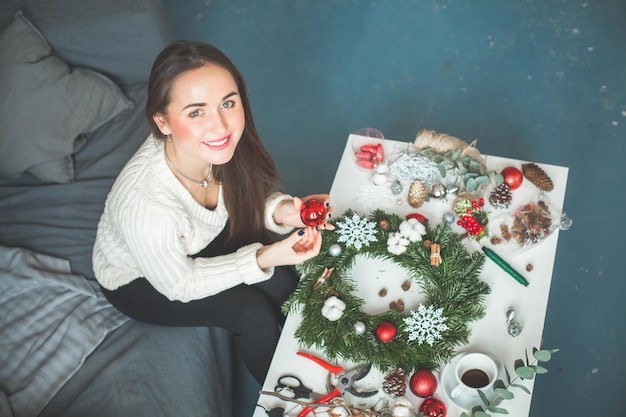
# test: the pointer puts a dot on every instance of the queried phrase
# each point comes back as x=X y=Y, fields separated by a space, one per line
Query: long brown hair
x=251 y=175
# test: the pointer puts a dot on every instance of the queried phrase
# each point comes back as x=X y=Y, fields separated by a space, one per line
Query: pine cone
x=501 y=196
x=537 y=176
x=395 y=383
x=417 y=194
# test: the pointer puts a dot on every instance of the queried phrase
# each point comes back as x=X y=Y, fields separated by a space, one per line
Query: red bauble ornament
x=433 y=407
x=385 y=332
x=313 y=213
x=423 y=383
x=513 y=177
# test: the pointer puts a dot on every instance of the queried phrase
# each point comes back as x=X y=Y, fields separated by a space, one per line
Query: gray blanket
x=51 y=321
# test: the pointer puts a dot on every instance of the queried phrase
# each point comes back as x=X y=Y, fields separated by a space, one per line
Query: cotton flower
x=397 y=243
x=402 y=407
x=412 y=229
x=333 y=308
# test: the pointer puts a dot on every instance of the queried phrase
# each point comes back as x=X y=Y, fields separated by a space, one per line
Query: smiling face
x=205 y=117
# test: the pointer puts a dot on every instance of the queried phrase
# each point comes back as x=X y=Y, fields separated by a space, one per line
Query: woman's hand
x=288 y=212
x=294 y=249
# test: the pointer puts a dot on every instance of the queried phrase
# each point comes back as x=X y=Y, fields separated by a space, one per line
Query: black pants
x=251 y=312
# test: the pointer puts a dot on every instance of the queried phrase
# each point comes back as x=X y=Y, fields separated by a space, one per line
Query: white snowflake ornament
x=425 y=325
x=412 y=229
x=397 y=243
x=356 y=231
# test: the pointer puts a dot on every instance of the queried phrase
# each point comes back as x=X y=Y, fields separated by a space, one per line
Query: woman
x=188 y=236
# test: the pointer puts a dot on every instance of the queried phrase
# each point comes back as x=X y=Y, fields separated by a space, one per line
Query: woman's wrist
x=278 y=214
x=261 y=258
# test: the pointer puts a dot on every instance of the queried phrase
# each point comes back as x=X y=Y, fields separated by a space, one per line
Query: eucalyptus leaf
x=504 y=393
x=457 y=153
x=470 y=185
x=480 y=414
x=483 y=397
x=542 y=355
x=498 y=178
x=519 y=363
x=464 y=414
x=497 y=410
x=539 y=369
x=442 y=170
x=482 y=180
x=473 y=164
x=499 y=384
x=523 y=388
x=525 y=372
x=482 y=170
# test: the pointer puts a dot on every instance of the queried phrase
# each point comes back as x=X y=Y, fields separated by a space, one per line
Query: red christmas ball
x=313 y=213
x=423 y=383
x=385 y=332
x=433 y=407
x=513 y=177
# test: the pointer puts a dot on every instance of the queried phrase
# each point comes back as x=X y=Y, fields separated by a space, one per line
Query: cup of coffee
x=474 y=371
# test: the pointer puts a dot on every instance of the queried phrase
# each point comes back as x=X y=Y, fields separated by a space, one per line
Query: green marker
x=506 y=267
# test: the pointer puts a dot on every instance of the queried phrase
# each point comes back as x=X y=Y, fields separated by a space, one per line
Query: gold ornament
x=417 y=194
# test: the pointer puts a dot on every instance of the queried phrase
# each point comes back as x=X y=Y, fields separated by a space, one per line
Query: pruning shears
x=345 y=380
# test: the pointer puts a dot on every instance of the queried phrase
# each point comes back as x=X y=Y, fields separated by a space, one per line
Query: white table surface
x=353 y=189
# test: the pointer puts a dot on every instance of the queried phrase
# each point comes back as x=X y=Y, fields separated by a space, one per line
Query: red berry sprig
x=473 y=218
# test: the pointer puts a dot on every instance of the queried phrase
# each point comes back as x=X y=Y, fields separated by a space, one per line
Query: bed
x=72 y=89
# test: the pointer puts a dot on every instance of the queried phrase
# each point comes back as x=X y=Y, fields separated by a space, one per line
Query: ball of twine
x=441 y=143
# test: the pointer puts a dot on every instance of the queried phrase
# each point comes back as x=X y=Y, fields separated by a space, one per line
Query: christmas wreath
x=333 y=316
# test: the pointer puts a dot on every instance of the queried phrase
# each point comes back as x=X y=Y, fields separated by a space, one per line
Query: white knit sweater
x=151 y=225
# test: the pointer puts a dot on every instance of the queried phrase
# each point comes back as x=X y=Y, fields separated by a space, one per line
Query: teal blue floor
x=536 y=80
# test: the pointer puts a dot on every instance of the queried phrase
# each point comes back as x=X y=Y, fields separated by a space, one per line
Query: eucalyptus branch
x=523 y=370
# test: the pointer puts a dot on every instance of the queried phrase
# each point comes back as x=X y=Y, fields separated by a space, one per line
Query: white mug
x=474 y=371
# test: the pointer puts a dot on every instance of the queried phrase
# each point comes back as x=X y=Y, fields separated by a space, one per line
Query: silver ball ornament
x=334 y=250
x=448 y=218
x=359 y=327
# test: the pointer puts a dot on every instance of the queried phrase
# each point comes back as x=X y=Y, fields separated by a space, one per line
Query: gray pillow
x=45 y=105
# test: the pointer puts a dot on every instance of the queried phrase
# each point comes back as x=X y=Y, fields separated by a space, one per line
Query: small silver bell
x=514 y=328
x=438 y=191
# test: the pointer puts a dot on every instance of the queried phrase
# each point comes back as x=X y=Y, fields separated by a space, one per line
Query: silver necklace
x=204 y=184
